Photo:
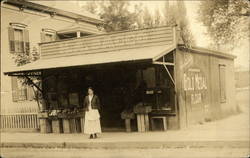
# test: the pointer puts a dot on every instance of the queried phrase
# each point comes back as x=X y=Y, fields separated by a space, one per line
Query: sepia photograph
x=125 y=79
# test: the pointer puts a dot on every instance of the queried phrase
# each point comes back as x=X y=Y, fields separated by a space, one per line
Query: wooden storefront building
x=144 y=79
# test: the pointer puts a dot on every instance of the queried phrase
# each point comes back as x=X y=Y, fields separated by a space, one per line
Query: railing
x=19 y=115
x=21 y=120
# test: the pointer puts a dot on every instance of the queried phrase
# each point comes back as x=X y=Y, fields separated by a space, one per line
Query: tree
x=226 y=21
x=21 y=59
x=117 y=16
x=148 y=20
x=176 y=15
x=157 y=17
x=91 y=6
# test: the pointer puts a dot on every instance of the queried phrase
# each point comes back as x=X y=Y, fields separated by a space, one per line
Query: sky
x=198 y=30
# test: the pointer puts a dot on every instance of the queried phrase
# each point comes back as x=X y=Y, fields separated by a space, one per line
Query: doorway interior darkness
x=119 y=87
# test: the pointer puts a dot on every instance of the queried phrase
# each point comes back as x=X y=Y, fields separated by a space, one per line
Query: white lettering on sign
x=195 y=83
x=196 y=98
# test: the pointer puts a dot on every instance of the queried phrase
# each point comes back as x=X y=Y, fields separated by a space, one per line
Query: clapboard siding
x=94 y=43
x=98 y=41
x=80 y=49
x=94 y=38
x=108 y=42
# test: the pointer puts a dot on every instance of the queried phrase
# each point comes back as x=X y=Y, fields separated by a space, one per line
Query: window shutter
x=26 y=41
x=11 y=40
x=30 y=93
x=42 y=37
x=14 y=86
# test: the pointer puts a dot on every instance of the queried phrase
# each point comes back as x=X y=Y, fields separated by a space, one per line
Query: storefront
x=143 y=79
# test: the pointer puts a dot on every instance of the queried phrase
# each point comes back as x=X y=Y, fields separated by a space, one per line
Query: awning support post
x=33 y=84
x=168 y=71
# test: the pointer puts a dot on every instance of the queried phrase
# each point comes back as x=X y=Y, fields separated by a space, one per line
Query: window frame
x=50 y=32
x=25 y=39
x=222 y=83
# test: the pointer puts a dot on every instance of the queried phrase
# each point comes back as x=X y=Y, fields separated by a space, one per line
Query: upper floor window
x=222 y=80
x=19 y=38
x=48 y=35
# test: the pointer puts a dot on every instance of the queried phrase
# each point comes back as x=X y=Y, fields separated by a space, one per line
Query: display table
x=127 y=116
x=61 y=123
x=164 y=121
x=142 y=117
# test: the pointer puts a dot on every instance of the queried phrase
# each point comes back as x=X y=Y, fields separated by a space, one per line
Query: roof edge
x=51 y=10
x=206 y=51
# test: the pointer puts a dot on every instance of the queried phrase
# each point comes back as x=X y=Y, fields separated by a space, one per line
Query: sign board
x=108 y=42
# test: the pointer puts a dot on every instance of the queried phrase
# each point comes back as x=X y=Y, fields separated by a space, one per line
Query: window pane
x=18 y=37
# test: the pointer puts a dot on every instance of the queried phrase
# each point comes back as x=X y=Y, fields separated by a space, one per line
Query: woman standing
x=91 y=105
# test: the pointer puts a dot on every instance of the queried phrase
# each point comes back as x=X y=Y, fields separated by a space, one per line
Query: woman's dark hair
x=91 y=88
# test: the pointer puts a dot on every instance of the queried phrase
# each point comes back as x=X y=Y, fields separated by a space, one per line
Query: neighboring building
x=242 y=77
x=24 y=25
x=142 y=73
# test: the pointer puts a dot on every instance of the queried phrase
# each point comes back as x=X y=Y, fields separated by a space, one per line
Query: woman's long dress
x=92 y=120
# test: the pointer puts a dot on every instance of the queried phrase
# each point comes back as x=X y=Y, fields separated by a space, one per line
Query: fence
x=21 y=120
x=20 y=116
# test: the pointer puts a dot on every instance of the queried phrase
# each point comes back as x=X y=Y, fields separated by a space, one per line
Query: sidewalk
x=229 y=132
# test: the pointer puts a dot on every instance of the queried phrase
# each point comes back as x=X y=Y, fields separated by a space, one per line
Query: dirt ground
x=126 y=153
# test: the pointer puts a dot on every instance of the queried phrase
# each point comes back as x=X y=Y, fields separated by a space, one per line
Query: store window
x=222 y=80
x=19 y=38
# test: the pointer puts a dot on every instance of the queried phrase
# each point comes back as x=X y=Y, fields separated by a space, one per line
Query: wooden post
x=66 y=126
x=78 y=125
x=28 y=121
x=45 y=126
x=12 y=121
x=35 y=121
x=138 y=122
x=18 y=121
x=82 y=124
x=72 y=124
x=78 y=34
x=165 y=123
x=56 y=126
x=128 y=125
x=146 y=122
x=142 y=123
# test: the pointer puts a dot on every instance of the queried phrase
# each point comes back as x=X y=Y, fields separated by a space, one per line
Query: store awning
x=129 y=55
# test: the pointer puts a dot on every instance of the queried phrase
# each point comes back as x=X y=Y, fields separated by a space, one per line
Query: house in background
x=24 y=25
x=242 y=77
